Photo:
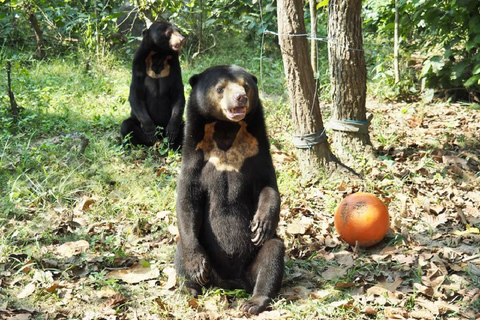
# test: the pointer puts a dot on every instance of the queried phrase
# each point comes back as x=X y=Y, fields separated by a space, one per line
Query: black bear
x=227 y=196
x=157 y=99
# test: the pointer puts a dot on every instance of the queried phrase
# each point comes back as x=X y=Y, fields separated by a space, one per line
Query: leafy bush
x=445 y=35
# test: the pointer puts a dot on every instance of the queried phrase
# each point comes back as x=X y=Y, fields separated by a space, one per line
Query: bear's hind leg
x=265 y=274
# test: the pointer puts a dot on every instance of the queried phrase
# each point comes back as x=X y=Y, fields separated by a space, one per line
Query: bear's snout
x=241 y=97
x=177 y=41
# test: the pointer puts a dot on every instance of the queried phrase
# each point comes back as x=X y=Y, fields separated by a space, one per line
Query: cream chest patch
x=244 y=146
x=150 y=64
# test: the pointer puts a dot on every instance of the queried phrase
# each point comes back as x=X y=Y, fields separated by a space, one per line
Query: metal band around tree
x=349 y=125
x=307 y=141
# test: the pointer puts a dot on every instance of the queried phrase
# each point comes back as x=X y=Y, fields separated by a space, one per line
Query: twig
x=212 y=46
x=461 y=215
x=470 y=258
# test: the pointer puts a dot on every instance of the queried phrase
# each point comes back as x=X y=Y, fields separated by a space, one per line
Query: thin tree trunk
x=200 y=31
x=97 y=32
x=313 y=35
x=304 y=104
x=200 y=28
x=395 y=48
x=348 y=76
x=13 y=102
x=38 y=33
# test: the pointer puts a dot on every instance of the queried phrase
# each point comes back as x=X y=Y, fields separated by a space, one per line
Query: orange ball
x=362 y=217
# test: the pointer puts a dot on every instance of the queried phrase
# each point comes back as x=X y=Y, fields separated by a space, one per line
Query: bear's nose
x=241 y=97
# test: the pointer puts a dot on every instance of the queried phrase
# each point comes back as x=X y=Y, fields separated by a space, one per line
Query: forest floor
x=106 y=251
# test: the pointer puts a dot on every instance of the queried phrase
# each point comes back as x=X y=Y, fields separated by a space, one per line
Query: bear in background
x=157 y=98
x=228 y=202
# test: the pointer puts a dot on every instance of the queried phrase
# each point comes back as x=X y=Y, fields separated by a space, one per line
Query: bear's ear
x=193 y=80
x=254 y=78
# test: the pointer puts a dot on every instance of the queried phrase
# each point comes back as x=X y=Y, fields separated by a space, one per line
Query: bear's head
x=164 y=37
x=224 y=93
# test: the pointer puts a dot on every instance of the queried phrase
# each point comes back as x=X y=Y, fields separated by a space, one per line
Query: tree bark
x=304 y=104
x=396 y=69
x=313 y=34
x=348 y=76
x=38 y=32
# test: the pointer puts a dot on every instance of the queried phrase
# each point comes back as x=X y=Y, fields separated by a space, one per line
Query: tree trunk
x=38 y=32
x=97 y=31
x=395 y=46
x=313 y=35
x=348 y=76
x=304 y=105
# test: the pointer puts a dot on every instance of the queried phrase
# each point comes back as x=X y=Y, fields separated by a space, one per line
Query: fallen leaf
x=369 y=310
x=429 y=305
x=322 y=294
x=428 y=291
x=274 y=314
x=161 y=304
x=193 y=303
x=172 y=277
x=137 y=273
x=434 y=277
x=404 y=260
x=342 y=304
x=434 y=221
x=52 y=288
x=421 y=314
x=173 y=230
x=345 y=259
x=300 y=226
x=342 y=187
x=395 y=313
x=27 y=266
x=345 y=284
x=106 y=292
x=84 y=204
x=455 y=160
x=467 y=231
x=20 y=316
x=69 y=249
x=333 y=272
x=27 y=291
x=382 y=287
x=116 y=299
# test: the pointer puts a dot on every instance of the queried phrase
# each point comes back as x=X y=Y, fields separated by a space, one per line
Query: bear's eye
x=220 y=89
x=246 y=86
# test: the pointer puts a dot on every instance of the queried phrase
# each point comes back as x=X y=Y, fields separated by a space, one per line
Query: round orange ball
x=362 y=217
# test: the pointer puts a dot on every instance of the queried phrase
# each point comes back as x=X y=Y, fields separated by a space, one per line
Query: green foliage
x=443 y=35
x=89 y=25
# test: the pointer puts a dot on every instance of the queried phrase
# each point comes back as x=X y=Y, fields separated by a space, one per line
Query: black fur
x=157 y=104
x=228 y=210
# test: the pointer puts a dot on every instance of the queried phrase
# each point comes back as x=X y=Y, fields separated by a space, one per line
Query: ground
x=106 y=250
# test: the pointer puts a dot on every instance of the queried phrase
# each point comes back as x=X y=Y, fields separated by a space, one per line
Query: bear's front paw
x=149 y=130
x=171 y=134
x=198 y=268
x=261 y=231
x=255 y=305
